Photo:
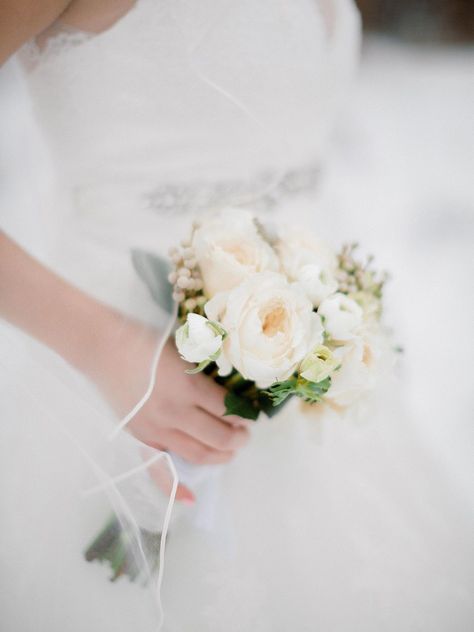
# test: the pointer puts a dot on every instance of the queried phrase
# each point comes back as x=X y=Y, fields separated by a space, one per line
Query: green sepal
x=200 y=367
x=217 y=328
x=204 y=364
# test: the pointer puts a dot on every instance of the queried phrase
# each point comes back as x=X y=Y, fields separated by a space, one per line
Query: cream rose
x=270 y=326
x=308 y=262
x=228 y=247
x=342 y=316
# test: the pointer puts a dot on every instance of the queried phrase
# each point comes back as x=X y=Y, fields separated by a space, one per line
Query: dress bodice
x=183 y=91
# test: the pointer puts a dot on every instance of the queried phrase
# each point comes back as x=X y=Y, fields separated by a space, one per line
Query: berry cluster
x=354 y=277
x=186 y=280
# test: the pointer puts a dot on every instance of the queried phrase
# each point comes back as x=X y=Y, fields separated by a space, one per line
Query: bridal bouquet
x=270 y=315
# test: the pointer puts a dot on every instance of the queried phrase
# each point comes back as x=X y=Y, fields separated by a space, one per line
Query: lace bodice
x=237 y=93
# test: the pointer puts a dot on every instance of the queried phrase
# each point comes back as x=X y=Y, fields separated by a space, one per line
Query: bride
x=155 y=111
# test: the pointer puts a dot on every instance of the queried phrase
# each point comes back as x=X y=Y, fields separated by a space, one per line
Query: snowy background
x=402 y=184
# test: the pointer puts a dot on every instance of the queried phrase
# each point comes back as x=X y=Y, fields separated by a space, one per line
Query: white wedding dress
x=319 y=524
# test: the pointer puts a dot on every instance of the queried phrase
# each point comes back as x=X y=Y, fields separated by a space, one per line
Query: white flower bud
x=184 y=272
x=199 y=339
x=172 y=277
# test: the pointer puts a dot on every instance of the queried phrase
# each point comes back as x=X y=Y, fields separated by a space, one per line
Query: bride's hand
x=184 y=414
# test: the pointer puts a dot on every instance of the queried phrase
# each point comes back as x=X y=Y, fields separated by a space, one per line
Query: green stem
x=233 y=380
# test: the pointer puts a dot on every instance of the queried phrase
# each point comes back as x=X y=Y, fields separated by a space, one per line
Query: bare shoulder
x=95 y=16
x=21 y=20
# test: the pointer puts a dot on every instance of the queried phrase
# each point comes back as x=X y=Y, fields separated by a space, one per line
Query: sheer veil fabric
x=177 y=108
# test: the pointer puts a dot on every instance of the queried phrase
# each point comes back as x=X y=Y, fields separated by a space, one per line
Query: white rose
x=342 y=316
x=199 y=340
x=228 y=247
x=270 y=326
x=310 y=263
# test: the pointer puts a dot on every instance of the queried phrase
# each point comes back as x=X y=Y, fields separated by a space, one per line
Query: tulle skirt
x=320 y=523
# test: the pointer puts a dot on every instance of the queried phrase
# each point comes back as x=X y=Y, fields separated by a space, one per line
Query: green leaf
x=117 y=558
x=104 y=541
x=310 y=391
x=153 y=271
x=268 y=406
x=280 y=391
x=115 y=547
x=241 y=406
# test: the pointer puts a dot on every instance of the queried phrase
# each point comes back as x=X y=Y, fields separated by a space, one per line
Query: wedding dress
x=335 y=525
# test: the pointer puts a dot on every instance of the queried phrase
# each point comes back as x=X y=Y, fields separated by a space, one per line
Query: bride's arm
x=183 y=414
x=49 y=309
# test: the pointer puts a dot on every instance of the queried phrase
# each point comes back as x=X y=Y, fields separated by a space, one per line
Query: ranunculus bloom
x=198 y=339
x=342 y=316
x=228 y=247
x=270 y=326
x=308 y=262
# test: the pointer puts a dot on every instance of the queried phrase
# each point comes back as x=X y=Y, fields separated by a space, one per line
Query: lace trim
x=265 y=191
x=32 y=54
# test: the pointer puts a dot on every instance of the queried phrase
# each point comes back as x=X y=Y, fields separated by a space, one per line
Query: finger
x=162 y=476
x=193 y=450
x=213 y=432
x=163 y=481
x=210 y=396
x=185 y=495
x=239 y=422
x=211 y=399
